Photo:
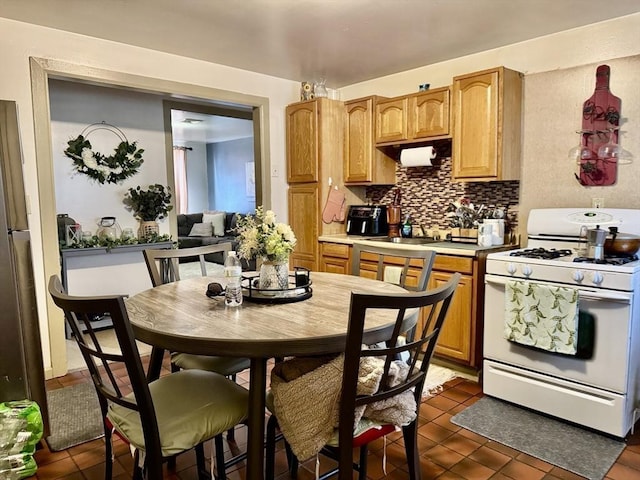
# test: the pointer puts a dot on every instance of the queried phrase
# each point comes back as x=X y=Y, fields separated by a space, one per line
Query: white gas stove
x=572 y=269
x=602 y=391
x=555 y=250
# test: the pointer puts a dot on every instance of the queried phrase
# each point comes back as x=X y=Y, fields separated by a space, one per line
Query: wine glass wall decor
x=598 y=153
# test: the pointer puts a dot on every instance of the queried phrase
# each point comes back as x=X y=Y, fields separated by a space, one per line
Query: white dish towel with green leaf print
x=542 y=316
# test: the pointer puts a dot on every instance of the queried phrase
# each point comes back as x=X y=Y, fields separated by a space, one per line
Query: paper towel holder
x=417 y=156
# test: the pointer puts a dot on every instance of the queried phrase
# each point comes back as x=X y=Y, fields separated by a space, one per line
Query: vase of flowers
x=261 y=237
x=148 y=206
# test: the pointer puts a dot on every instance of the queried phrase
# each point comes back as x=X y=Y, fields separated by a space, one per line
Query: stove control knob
x=578 y=275
x=527 y=271
x=511 y=268
x=598 y=278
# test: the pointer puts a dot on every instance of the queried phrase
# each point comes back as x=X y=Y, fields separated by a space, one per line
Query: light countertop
x=448 y=248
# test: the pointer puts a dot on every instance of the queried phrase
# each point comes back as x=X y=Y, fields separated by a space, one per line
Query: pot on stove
x=621 y=243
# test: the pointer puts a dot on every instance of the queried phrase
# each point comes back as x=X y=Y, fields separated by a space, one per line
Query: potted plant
x=148 y=206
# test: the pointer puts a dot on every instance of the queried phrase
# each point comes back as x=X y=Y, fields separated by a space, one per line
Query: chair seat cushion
x=366 y=431
x=223 y=365
x=191 y=406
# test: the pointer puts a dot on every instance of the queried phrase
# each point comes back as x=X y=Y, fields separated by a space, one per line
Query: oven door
x=606 y=369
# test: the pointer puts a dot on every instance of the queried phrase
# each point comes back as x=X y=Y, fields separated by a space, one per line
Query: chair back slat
x=163 y=265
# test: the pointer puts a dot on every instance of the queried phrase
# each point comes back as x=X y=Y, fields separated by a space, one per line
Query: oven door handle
x=585 y=293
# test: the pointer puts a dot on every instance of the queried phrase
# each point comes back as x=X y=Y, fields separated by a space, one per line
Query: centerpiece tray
x=296 y=292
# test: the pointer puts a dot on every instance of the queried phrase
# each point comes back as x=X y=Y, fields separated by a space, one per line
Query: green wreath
x=115 y=168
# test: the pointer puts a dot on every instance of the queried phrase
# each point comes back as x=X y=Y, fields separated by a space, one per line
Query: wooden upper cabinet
x=429 y=113
x=315 y=153
x=302 y=142
x=391 y=120
x=413 y=118
x=487 y=122
x=364 y=164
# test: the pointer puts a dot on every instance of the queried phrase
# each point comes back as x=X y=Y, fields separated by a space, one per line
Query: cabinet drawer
x=339 y=250
x=448 y=263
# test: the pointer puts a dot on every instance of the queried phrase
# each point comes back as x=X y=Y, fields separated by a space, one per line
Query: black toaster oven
x=367 y=220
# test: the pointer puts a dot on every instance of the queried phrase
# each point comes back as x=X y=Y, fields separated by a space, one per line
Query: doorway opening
x=215 y=158
x=44 y=69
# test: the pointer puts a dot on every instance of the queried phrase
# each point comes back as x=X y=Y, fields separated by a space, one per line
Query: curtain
x=180 y=174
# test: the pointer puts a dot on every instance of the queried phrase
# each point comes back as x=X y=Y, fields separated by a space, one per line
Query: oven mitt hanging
x=334 y=209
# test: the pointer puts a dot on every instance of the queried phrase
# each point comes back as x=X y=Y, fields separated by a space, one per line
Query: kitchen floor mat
x=74 y=415
x=578 y=450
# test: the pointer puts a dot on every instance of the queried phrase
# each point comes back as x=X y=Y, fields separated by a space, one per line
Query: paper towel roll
x=417 y=157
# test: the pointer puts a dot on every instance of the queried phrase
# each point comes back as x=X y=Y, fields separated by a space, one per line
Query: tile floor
x=447 y=452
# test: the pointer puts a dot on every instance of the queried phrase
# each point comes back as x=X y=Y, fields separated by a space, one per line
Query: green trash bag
x=17 y=466
x=21 y=429
x=21 y=426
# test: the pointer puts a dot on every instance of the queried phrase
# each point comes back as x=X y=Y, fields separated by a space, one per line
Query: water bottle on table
x=233 y=275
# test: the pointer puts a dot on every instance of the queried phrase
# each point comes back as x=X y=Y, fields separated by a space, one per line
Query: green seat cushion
x=191 y=406
x=223 y=365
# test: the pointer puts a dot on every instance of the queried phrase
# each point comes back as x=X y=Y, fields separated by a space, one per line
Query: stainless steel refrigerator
x=21 y=366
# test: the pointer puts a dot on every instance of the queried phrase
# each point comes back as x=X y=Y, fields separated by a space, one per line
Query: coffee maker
x=367 y=220
x=595 y=242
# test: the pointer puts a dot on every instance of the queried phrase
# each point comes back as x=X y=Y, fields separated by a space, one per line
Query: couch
x=207 y=233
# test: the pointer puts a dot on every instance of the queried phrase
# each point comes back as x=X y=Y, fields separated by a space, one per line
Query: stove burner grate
x=608 y=260
x=541 y=253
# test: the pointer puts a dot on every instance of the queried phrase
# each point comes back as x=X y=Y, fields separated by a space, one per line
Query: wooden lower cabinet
x=459 y=340
x=335 y=258
x=455 y=339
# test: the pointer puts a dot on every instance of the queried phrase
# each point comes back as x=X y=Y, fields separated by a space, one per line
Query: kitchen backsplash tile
x=428 y=191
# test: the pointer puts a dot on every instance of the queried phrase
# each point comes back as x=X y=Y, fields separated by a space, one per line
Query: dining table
x=179 y=317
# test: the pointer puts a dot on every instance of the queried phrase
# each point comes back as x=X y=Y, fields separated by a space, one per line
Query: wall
x=74 y=107
x=197 y=177
x=559 y=75
x=228 y=176
x=20 y=41
x=553 y=114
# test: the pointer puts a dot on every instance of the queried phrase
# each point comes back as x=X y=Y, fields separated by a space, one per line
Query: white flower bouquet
x=260 y=235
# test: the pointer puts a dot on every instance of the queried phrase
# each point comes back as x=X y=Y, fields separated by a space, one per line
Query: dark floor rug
x=572 y=448
x=75 y=416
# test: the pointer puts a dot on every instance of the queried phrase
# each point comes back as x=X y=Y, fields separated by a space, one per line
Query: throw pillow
x=201 y=230
x=217 y=221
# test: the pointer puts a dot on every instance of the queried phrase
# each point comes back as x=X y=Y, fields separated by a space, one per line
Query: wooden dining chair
x=163 y=267
x=420 y=350
x=171 y=415
x=409 y=268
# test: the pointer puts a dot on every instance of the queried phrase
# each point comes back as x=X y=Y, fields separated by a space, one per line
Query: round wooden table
x=179 y=317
